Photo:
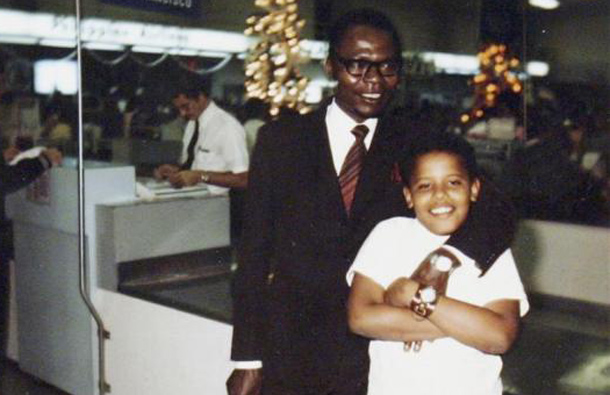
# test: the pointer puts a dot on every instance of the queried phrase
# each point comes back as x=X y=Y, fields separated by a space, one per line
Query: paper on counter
x=149 y=190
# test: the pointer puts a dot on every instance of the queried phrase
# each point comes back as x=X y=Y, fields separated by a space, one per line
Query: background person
x=13 y=178
x=214 y=145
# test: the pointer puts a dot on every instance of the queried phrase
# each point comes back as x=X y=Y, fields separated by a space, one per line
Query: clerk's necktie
x=190 y=151
x=350 y=171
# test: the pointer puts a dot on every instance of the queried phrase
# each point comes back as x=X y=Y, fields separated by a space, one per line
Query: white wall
x=570 y=261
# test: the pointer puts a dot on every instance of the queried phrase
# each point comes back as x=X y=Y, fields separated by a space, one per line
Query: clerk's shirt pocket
x=207 y=159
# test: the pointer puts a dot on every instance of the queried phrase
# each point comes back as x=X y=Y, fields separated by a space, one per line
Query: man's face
x=365 y=96
x=190 y=108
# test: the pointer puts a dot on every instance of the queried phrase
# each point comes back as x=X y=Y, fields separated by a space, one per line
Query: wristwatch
x=424 y=300
x=205 y=177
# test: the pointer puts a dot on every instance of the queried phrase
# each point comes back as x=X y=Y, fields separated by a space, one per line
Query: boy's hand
x=400 y=292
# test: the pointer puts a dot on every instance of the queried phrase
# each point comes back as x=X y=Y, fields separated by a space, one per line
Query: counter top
x=209 y=297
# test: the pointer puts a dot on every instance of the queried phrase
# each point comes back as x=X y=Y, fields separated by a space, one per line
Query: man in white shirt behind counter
x=214 y=145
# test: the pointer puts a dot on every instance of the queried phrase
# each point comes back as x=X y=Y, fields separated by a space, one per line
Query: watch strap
x=419 y=306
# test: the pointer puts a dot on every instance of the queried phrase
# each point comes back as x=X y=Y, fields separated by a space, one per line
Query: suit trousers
x=342 y=386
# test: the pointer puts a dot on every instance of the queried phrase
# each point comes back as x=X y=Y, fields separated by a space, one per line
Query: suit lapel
x=374 y=166
x=328 y=191
x=328 y=182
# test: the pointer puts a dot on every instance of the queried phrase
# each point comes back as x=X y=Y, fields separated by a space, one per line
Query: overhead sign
x=188 y=8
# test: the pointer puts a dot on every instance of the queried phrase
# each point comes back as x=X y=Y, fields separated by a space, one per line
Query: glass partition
x=559 y=171
x=40 y=232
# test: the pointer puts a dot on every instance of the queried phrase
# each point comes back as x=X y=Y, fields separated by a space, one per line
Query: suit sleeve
x=13 y=178
x=489 y=228
x=250 y=281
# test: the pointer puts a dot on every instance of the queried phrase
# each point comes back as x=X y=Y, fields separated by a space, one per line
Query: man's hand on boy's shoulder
x=245 y=382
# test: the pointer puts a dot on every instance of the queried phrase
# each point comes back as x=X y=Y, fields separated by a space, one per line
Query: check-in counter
x=140 y=243
x=170 y=259
x=56 y=337
x=146 y=238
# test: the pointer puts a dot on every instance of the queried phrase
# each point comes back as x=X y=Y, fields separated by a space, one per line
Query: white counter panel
x=156 y=350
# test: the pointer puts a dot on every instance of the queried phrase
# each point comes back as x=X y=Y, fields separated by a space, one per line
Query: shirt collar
x=338 y=118
x=207 y=113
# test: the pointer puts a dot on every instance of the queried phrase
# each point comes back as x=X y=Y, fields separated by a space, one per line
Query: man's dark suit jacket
x=298 y=242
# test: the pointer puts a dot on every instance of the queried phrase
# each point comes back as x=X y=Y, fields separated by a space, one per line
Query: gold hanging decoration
x=271 y=68
x=495 y=77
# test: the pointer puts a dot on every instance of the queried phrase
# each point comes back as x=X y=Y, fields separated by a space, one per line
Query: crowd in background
x=551 y=156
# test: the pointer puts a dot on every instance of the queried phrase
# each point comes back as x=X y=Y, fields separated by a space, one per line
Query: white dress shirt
x=221 y=145
x=339 y=126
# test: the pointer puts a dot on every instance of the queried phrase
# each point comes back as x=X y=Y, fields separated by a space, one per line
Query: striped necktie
x=350 y=171
x=190 y=151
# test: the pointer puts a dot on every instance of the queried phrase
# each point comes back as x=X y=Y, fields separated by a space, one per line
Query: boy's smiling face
x=440 y=191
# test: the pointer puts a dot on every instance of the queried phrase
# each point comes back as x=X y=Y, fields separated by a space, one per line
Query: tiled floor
x=556 y=354
x=559 y=354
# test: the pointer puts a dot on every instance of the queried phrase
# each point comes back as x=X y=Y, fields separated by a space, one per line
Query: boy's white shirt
x=394 y=249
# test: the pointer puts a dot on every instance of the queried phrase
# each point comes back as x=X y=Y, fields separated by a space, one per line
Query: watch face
x=428 y=295
x=443 y=263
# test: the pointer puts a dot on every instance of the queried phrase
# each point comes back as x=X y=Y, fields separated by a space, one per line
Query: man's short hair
x=437 y=142
x=192 y=88
x=363 y=17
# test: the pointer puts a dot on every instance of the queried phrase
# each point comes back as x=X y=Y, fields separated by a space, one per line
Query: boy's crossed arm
x=491 y=328
x=370 y=316
x=385 y=314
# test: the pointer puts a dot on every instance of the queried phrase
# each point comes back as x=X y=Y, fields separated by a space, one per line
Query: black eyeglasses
x=359 y=67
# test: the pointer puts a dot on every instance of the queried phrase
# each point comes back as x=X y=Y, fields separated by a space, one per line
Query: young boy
x=458 y=332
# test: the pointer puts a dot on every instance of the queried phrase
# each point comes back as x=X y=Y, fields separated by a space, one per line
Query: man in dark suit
x=301 y=234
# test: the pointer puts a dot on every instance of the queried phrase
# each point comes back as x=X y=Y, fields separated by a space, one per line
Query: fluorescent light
x=148 y=49
x=55 y=75
x=544 y=4
x=453 y=63
x=537 y=69
x=105 y=34
x=51 y=42
x=212 y=54
x=10 y=39
x=99 y=46
x=183 y=52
